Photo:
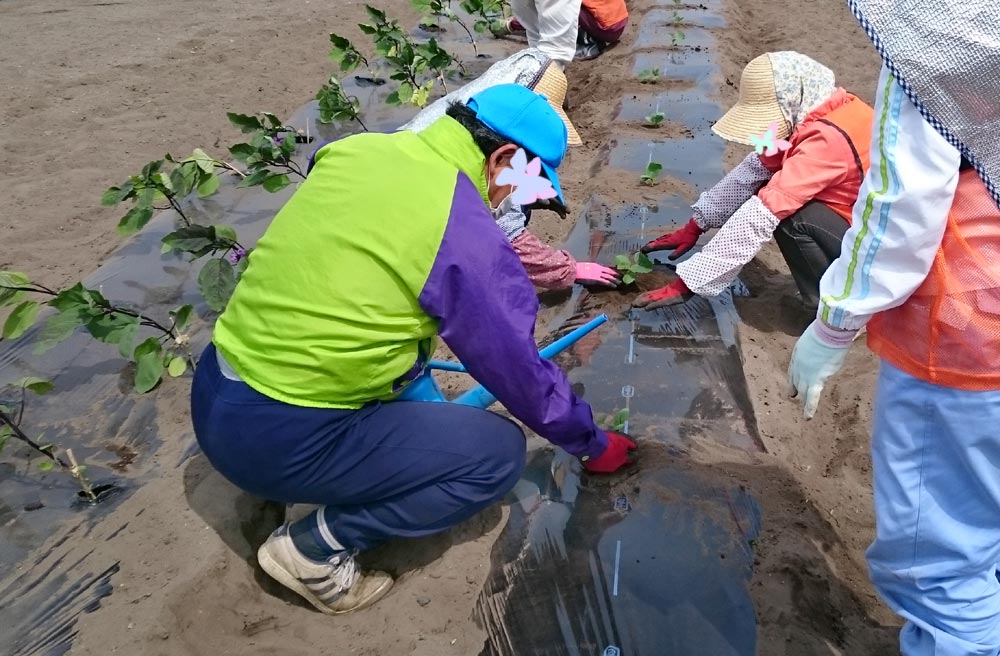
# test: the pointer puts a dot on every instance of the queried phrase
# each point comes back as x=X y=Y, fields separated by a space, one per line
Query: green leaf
x=217 y=282
x=177 y=367
x=653 y=168
x=135 y=220
x=622 y=262
x=37 y=385
x=10 y=279
x=255 y=178
x=56 y=329
x=242 y=151
x=182 y=317
x=225 y=233
x=197 y=239
x=204 y=161
x=115 y=328
x=273 y=120
x=182 y=179
x=208 y=186
x=643 y=262
x=628 y=278
x=276 y=182
x=115 y=195
x=45 y=466
x=20 y=319
x=245 y=122
x=5 y=434
x=149 y=365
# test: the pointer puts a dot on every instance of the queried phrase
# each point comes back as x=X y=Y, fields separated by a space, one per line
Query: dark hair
x=484 y=136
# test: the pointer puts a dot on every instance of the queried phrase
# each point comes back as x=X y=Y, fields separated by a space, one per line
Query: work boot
x=587 y=47
x=334 y=586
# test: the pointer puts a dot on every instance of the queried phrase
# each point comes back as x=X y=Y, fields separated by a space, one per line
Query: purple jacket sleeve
x=486 y=309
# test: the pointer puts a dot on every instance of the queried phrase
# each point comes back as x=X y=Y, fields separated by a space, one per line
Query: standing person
x=387 y=246
x=547 y=267
x=802 y=195
x=921 y=268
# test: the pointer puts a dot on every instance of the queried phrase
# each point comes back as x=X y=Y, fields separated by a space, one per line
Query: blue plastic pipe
x=478 y=397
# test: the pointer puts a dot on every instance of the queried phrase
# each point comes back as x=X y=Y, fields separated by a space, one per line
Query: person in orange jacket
x=599 y=24
x=801 y=195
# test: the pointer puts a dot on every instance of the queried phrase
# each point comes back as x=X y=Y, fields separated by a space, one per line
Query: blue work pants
x=936 y=462
x=401 y=469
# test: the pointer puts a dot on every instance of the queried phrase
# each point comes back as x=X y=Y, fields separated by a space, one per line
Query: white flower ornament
x=525 y=178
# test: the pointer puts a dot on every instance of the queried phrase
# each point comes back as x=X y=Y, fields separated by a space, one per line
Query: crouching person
x=388 y=246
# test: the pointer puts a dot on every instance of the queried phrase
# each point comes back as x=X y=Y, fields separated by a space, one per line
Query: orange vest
x=608 y=13
x=948 y=332
x=854 y=122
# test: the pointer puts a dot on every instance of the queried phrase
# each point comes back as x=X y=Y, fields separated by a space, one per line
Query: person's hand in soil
x=592 y=273
x=680 y=241
x=614 y=457
x=674 y=293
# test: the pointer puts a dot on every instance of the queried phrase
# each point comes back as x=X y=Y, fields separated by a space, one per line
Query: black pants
x=810 y=241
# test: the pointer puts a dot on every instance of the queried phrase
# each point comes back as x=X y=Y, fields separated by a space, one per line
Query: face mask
x=506 y=206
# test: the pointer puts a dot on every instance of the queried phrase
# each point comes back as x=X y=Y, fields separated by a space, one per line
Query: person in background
x=547 y=267
x=601 y=24
x=801 y=195
x=388 y=246
x=920 y=267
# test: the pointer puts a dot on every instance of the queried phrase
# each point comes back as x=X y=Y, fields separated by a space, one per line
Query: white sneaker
x=333 y=587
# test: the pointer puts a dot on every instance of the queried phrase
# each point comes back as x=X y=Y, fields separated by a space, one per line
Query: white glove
x=818 y=354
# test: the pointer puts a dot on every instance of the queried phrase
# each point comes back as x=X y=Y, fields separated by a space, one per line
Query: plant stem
x=177 y=208
x=19 y=434
x=357 y=117
x=225 y=165
x=461 y=24
x=77 y=473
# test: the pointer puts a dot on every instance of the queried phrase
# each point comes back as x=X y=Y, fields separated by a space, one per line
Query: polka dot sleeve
x=716 y=205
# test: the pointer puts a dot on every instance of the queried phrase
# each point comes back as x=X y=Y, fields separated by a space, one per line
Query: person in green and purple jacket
x=389 y=245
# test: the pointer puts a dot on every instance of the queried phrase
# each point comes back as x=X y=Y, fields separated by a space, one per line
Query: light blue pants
x=936 y=462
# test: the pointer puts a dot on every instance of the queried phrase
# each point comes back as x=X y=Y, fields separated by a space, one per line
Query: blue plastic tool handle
x=479 y=397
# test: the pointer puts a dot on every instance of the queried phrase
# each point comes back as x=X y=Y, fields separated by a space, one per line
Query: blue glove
x=819 y=354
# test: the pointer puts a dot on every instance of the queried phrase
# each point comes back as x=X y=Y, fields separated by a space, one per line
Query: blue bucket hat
x=526 y=118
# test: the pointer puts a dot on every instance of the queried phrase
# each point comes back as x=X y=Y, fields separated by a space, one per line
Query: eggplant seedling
x=651 y=175
x=10 y=426
x=348 y=57
x=655 y=119
x=649 y=75
x=617 y=421
x=434 y=9
x=676 y=38
x=676 y=18
x=336 y=105
x=630 y=267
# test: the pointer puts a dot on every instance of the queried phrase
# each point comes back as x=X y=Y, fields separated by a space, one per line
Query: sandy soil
x=98 y=89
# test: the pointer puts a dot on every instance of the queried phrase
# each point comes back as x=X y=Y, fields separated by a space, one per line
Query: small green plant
x=676 y=18
x=617 y=421
x=435 y=9
x=268 y=154
x=488 y=14
x=630 y=267
x=677 y=38
x=651 y=175
x=10 y=426
x=348 y=57
x=408 y=61
x=161 y=180
x=649 y=75
x=79 y=306
x=655 y=119
x=336 y=105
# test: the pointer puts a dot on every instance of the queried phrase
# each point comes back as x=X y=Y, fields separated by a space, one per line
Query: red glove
x=674 y=293
x=681 y=240
x=614 y=457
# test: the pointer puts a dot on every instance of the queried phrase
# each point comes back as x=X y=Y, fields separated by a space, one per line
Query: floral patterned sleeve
x=547 y=267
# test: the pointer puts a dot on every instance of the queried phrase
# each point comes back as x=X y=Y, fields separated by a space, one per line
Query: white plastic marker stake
x=642 y=226
x=618 y=560
x=631 y=343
